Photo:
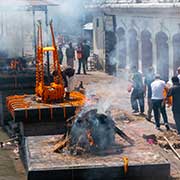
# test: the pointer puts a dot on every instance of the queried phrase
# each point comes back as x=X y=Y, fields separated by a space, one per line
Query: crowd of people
x=159 y=94
x=80 y=53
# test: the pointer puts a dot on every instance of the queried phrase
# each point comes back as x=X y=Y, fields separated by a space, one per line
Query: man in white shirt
x=158 y=101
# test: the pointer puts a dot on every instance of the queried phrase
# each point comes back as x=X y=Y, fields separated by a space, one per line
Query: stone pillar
x=170 y=44
x=139 y=52
x=154 y=52
x=127 y=51
x=34 y=33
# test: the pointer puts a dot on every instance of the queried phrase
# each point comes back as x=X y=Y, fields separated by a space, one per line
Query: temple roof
x=14 y=5
x=133 y=4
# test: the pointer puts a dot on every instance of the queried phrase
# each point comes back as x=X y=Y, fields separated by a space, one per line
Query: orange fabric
x=79 y=55
x=168 y=99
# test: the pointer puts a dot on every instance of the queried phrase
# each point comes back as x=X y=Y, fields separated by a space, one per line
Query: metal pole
x=22 y=34
x=48 y=64
x=34 y=30
x=2 y=24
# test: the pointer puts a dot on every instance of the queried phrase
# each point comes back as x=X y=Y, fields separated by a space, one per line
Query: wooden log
x=61 y=144
x=123 y=135
x=172 y=148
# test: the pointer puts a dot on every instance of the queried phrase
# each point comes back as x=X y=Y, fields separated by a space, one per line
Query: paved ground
x=112 y=94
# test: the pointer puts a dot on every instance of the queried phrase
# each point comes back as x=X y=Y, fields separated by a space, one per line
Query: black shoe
x=148 y=119
x=77 y=73
x=158 y=128
x=167 y=127
x=135 y=111
x=142 y=114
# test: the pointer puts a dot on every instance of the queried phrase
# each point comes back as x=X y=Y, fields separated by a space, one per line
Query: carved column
x=170 y=44
x=154 y=52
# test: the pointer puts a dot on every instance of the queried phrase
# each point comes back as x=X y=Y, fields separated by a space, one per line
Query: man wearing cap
x=158 y=101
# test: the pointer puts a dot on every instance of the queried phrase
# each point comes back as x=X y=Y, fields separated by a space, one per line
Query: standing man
x=86 y=53
x=175 y=93
x=70 y=54
x=158 y=101
x=81 y=58
x=137 y=95
x=149 y=78
x=60 y=54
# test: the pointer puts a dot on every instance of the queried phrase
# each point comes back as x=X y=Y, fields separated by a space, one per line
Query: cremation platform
x=35 y=118
x=42 y=163
x=25 y=108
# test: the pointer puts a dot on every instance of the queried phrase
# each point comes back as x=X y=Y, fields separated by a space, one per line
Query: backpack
x=79 y=53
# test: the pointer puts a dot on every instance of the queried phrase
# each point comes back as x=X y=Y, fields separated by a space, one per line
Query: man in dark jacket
x=137 y=95
x=81 y=58
x=175 y=93
x=60 y=54
x=86 y=53
x=70 y=54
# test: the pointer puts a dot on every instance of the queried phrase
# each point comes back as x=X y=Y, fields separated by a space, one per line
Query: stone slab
x=42 y=163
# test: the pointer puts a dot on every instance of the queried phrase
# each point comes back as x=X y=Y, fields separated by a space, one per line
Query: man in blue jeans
x=175 y=93
x=137 y=95
x=158 y=101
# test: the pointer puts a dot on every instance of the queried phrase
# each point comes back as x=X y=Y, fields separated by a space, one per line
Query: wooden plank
x=172 y=148
x=61 y=144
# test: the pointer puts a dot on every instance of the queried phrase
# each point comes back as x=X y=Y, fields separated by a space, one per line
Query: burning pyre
x=89 y=132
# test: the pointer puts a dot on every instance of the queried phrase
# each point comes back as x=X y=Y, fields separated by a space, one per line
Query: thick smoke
x=15 y=26
x=69 y=18
x=108 y=94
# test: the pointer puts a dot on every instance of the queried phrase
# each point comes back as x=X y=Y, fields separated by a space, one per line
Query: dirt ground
x=112 y=94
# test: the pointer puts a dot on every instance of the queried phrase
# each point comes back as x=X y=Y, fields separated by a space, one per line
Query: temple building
x=137 y=33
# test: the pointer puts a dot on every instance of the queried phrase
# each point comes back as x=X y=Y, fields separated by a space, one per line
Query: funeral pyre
x=89 y=132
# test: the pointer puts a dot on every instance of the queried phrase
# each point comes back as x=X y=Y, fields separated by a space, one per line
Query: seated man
x=67 y=75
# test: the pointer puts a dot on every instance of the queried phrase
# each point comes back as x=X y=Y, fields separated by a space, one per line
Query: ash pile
x=89 y=132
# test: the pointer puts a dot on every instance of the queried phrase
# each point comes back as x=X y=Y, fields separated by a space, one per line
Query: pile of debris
x=172 y=137
x=89 y=132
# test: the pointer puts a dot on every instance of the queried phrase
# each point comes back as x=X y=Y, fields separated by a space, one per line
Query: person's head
x=175 y=80
x=150 y=69
x=70 y=44
x=178 y=70
x=59 y=46
x=85 y=41
x=157 y=76
x=56 y=77
x=134 y=69
x=69 y=71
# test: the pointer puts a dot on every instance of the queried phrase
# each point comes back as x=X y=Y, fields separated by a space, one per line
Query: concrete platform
x=144 y=163
x=24 y=108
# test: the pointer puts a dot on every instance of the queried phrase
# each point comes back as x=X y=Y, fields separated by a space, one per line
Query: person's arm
x=165 y=92
x=170 y=92
x=169 y=96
